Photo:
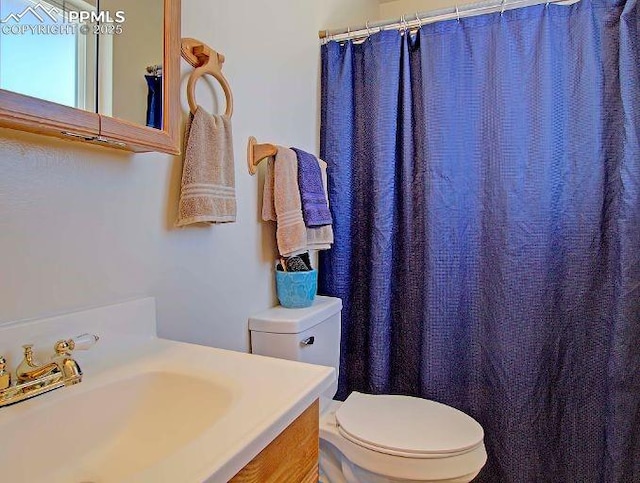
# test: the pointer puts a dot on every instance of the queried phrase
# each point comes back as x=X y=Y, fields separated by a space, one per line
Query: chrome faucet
x=34 y=378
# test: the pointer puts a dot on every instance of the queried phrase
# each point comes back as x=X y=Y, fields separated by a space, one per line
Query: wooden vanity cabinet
x=290 y=458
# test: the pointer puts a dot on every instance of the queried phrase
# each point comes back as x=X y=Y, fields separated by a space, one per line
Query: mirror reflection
x=130 y=63
x=103 y=56
x=46 y=54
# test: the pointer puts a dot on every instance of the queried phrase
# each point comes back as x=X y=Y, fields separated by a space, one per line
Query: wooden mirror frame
x=25 y=113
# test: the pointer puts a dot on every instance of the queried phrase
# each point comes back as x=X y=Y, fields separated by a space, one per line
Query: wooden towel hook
x=256 y=153
x=206 y=61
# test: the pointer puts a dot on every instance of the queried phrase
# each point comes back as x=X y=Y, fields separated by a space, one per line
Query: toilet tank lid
x=280 y=320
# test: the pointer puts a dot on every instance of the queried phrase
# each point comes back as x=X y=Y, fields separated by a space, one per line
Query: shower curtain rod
x=417 y=20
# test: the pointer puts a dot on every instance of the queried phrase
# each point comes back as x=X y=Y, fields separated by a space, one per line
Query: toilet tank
x=309 y=335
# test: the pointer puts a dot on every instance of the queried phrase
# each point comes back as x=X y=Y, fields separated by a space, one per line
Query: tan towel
x=291 y=233
x=268 y=202
x=321 y=238
x=208 y=179
x=316 y=238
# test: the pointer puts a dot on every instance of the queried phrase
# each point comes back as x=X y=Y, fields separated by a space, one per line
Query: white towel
x=208 y=193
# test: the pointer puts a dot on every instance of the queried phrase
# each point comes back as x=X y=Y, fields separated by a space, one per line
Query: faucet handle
x=81 y=342
x=5 y=377
x=84 y=342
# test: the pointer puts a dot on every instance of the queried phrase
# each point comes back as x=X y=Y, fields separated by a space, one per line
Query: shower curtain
x=485 y=188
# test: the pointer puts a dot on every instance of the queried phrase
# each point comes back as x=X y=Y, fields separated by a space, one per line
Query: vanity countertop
x=205 y=412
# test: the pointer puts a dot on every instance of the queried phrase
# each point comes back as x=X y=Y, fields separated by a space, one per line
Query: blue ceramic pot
x=296 y=289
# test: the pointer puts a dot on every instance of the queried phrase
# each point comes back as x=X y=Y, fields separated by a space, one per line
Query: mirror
x=115 y=60
x=46 y=55
x=130 y=63
x=107 y=54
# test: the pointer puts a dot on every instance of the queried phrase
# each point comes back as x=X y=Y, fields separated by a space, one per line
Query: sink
x=113 y=431
x=148 y=410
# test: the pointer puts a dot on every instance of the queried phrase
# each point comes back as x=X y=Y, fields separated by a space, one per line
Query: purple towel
x=315 y=209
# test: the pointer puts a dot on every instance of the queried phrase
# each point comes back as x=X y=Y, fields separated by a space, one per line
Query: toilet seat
x=407 y=426
x=447 y=467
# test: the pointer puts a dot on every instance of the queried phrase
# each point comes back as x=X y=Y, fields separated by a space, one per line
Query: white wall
x=397 y=8
x=84 y=226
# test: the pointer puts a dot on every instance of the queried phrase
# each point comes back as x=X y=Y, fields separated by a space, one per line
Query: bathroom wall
x=397 y=8
x=83 y=226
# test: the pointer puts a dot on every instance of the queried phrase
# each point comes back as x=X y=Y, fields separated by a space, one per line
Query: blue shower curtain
x=485 y=186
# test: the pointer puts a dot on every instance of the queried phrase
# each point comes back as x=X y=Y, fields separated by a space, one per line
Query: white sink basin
x=112 y=432
x=148 y=410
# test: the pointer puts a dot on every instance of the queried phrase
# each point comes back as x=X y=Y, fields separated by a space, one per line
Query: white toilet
x=371 y=439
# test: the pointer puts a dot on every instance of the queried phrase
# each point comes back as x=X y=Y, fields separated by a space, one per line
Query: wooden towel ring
x=206 y=61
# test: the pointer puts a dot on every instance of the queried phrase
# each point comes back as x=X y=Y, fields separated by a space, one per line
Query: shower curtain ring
x=502 y=10
x=368 y=29
x=458 y=14
x=419 y=20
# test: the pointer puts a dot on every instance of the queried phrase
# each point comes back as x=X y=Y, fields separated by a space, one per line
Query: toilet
x=367 y=438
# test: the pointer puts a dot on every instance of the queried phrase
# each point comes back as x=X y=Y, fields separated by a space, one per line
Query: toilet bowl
x=379 y=439
x=371 y=438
